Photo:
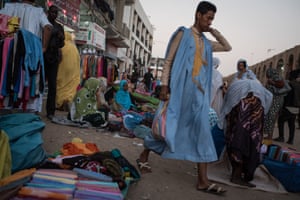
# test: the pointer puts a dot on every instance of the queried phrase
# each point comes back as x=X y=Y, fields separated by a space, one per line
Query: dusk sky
x=256 y=29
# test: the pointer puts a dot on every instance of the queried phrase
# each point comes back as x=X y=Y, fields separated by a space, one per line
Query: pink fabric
x=4 y=24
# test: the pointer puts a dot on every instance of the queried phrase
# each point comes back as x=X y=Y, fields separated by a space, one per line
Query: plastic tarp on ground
x=25 y=140
x=287 y=174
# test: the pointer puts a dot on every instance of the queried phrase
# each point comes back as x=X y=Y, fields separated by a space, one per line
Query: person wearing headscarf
x=246 y=103
x=122 y=96
x=216 y=87
x=68 y=76
x=102 y=104
x=84 y=105
x=274 y=80
x=243 y=71
x=85 y=101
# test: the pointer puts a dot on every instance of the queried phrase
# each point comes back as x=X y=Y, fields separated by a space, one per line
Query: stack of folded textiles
x=67 y=184
x=284 y=154
x=49 y=183
x=97 y=190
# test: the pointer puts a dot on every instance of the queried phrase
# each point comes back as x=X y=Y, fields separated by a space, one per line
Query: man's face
x=53 y=14
x=205 y=20
x=241 y=66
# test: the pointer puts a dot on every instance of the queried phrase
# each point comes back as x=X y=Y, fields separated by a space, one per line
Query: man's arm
x=221 y=44
x=163 y=95
x=46 y=36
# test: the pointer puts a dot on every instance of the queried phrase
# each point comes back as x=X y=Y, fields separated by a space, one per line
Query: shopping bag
x=159 y=121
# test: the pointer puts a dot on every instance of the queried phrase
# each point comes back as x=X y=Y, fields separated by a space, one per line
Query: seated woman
x=141 y=88
x=124 y=106
x=245 y=105
x=123 y=97
x=85 y=104
x=102 y=104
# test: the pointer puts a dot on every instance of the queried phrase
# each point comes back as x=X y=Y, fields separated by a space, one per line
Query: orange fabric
x=43 y=194
x=79 y=148
x=17 y=176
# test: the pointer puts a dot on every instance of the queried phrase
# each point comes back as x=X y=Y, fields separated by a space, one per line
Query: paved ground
x=170 y=179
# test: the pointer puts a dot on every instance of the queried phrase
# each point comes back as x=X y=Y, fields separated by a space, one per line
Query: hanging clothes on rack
x=22 y=78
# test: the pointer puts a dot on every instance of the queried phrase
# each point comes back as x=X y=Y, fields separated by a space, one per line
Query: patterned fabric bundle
x=159 y=121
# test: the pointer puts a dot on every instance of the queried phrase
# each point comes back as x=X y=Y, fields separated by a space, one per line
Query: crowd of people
x=246 y=109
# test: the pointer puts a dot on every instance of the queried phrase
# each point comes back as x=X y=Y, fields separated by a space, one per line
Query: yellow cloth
x=198 y=62
x=5 y=155
x=198 y=57
x=13 y=24
x=54 y=178
x=68 y=75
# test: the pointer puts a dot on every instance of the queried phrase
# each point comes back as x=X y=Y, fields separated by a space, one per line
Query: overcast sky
x=256 y=29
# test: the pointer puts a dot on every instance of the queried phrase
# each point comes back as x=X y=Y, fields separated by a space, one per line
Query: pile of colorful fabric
x=67 y=184
x=284 y=154
x=79 y=171
x=98 y=175
x=284 y=164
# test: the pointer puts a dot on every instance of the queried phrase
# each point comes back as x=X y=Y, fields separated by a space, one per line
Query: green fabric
x=84 y=103
x=5 y=155
x=85 y=99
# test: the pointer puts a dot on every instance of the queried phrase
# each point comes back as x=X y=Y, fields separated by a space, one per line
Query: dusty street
x=170 y=179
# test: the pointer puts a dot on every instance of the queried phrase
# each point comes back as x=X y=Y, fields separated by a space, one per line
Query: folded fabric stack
x=284 y=154
x=97 y=190
x=293 y=158
x=49 y=183
x=68 y=184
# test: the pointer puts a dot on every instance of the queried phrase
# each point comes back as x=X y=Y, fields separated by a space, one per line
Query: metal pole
x=156 y=74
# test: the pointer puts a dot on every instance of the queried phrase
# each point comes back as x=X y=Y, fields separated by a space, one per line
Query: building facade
x=117 y=29
x=141 y=39
x=128 y=32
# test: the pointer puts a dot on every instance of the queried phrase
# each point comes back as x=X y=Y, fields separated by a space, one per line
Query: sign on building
x=92 y=34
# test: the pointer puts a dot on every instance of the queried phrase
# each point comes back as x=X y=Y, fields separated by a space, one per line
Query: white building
x=138 y=54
